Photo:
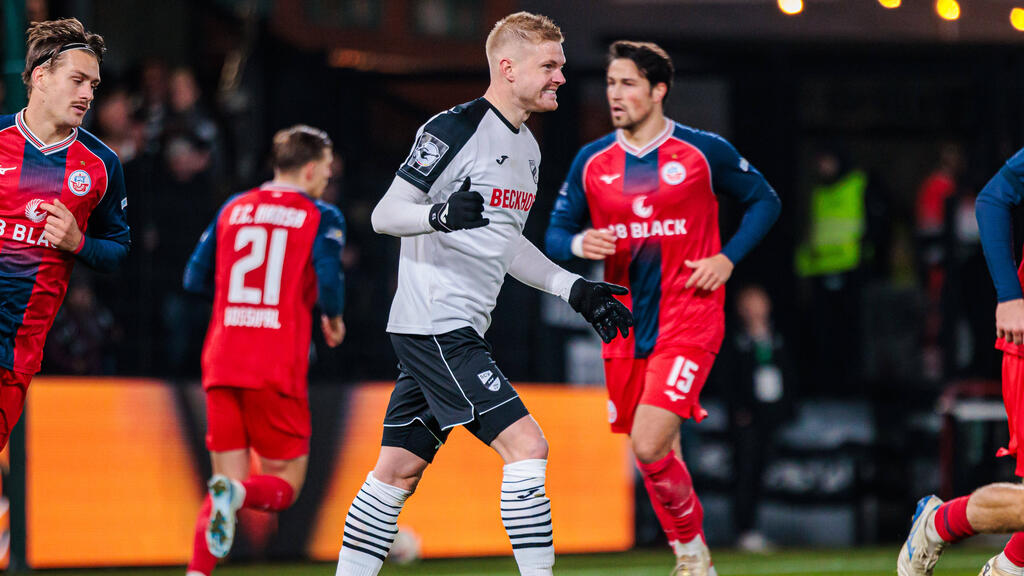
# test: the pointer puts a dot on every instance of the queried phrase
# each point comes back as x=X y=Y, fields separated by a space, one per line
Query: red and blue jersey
x=266 y=258
x=994 y=211
x=661 y=202
x=86 y=177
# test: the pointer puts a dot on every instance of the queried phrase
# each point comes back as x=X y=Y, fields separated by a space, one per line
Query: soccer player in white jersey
x=459 y=202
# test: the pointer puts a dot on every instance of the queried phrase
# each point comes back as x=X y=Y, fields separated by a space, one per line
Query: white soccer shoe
x=919 y=553
x=227 y=496
x=693 y=559
x=990 y=568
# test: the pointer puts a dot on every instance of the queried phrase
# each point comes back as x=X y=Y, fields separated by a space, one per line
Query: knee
x=399 y=477
x=648 y=450
x=532 y=448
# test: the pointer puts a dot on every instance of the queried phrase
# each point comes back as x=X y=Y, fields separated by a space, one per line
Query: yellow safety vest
x=837 y=226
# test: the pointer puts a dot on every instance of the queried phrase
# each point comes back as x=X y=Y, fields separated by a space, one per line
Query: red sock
x=267 y=493
x=673 y=487
x=951 y=520
x=1014 y=550
x=668 y=523
x=202 y=560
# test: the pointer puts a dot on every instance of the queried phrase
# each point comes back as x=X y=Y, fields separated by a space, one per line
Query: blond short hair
x=519 y=27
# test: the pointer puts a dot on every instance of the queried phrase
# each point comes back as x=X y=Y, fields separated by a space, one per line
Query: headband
x=43 y=59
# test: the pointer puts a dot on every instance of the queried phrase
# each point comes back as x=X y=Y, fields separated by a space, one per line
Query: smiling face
x=66 y=90
x=631 y=98
x=537 y=73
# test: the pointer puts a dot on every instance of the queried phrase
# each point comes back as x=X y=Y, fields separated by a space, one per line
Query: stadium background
x=890 y=393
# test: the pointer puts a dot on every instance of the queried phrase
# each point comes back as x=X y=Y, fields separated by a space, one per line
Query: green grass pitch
x=961 y=561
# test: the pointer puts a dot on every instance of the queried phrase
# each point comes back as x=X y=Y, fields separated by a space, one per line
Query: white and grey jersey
x=449 y=281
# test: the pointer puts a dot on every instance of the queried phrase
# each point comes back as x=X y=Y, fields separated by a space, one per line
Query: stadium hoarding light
x=87 y=440
x=1017 y=18
x=791 y=7
x=947 y=9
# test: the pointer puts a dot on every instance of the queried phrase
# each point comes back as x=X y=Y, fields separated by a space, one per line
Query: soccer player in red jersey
x=650 y=191
x=62 y=199
x=996 y=508
x=270 y=255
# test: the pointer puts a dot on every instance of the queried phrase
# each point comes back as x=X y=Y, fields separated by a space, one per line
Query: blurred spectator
x=932 y=218
x=117 y=127
x=755 y=371
x=84 y=334
x=184 y=201
x=829 y=259
x=187 y=117
x=154 y=102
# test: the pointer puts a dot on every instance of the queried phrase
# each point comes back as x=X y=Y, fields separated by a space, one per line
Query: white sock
x=526 y=514
x=1006 y=566
x=370 y=528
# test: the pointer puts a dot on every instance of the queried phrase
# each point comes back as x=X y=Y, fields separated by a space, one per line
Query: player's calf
x=370 y=527
x=526 y=515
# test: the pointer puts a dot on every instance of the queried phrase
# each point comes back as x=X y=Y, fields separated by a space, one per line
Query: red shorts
x=275 y=426
x=1013 y=398
x=670 y=379
x=13 y=386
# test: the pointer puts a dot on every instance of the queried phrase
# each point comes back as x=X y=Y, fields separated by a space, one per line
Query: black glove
x=594 y=301
x=463 y=210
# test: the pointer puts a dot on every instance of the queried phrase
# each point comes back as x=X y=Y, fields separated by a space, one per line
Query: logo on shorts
x=613 y=413
x=489 y=380
x=80 y=182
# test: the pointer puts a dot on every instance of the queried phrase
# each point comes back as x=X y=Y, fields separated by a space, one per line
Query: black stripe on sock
x=533 y=545
x=532 y=535
x=370 y=534
x=385 y=522
x=504 y=519
x=348 y=537
x=363 y=550
x=399 y=508
x=369 y=504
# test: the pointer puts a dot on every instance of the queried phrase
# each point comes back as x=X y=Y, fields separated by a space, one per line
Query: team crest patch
x=533 y=170
x=80 y=182
x=673 y=173
x=613 y=414
x=32 y=211
x=429 y=149
x=489 y=380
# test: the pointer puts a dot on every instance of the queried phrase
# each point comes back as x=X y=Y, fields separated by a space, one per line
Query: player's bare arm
x=1010 y=321
x=333 y=328
x=597 y=244
x=61 y=227
x=710 y=273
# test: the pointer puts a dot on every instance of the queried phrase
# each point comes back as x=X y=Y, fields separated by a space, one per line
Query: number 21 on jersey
x=255 y=238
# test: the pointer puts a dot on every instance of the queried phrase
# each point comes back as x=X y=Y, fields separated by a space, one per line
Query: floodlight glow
x=889 y=3
x=791 y=7
x=1017 y=18
x=947 y=9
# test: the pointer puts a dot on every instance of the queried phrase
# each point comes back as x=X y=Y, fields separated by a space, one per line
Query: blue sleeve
x=199 y=272
x=107 y=237
x=733 y=176
x=327 y=248
x=570 y=212
x=993 y=210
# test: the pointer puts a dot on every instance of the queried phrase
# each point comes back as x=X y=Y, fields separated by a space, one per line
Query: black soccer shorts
x=446 y=381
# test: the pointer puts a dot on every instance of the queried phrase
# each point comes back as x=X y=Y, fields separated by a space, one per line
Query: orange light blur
x=947 y=9
x=791 y=7
x=1017 y=18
